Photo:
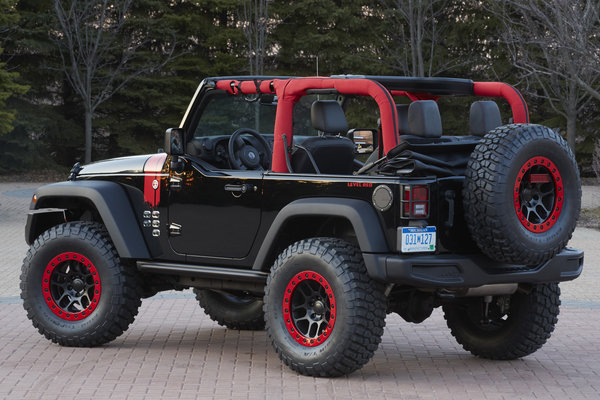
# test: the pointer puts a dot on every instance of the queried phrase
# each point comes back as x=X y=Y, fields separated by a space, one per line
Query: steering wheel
x=243 y=155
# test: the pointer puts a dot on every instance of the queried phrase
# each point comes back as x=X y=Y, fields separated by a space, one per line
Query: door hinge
x=174 y=229
x=175 y=183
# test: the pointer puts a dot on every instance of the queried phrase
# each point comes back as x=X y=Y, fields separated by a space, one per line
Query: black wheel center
x=318 y=307
x=78 y=285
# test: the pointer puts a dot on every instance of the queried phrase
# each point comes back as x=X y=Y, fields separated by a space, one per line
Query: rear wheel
x=522 y=194
x=505 y=327
x=75 y=289
x=234 y=310
x=324 y=314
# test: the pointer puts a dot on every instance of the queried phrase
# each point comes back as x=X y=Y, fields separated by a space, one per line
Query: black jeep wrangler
x=280 y=216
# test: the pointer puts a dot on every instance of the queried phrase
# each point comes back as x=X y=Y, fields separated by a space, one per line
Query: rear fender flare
x=359 y=213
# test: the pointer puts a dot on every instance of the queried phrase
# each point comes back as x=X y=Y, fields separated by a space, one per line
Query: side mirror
x=363 y=139
x=174 y=141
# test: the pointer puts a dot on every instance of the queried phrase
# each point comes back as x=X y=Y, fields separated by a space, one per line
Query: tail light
x=415 y=201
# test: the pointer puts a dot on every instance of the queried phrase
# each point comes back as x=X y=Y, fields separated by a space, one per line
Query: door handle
x=242 y=188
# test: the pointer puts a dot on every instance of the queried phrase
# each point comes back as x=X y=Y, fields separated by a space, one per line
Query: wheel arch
x=106 y=201
x=342 y=214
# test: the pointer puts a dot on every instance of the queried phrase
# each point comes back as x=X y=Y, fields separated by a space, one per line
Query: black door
x=214 y=214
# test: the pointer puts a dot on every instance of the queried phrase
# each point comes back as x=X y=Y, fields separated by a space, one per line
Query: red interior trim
x=415 y=96
x=513 y=96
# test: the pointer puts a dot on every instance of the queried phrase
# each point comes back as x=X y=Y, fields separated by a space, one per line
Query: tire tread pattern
x=539 y=316
x=368 y=309
x=491 y=158
x=124 y=306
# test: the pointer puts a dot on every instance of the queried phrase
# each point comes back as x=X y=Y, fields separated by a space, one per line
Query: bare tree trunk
x=88 y=135
x=554 y=45
x=255 y=19
x=420 y=37
x=571 y=127
x=415 y=35
x=88 y=35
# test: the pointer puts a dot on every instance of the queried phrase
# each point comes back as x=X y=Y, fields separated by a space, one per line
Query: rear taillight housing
x=415 y=201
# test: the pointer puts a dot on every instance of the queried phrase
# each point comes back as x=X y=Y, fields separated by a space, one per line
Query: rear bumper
x=464 y=271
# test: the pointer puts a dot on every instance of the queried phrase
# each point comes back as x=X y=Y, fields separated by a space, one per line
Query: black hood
x=121 y=165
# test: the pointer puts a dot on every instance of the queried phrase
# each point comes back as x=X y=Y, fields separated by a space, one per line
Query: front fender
x=109 y=199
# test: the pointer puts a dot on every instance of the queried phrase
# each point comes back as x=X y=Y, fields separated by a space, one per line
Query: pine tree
x=8 y=79
x=208 y=43
x=334 y=34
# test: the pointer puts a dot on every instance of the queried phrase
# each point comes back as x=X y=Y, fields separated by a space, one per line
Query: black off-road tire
x=336 y=312
x=233 y=310
x=520 y=331
x=75 y=289
x=522 y=194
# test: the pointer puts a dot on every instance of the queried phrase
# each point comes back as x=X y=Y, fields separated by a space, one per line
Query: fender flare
x=111 y=202
x=361 y=215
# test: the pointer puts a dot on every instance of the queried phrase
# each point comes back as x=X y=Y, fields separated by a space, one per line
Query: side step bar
x=204 y=272
x=215 y=278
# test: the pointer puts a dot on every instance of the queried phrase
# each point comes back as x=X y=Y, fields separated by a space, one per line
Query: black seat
x=403 y=127
x=332 y=154
x=402 y=118
x=424 y=119
x=484 y=116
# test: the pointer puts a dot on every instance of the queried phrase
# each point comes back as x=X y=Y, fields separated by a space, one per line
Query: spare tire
x=522 y=194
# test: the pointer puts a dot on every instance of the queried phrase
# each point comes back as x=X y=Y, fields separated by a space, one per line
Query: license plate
x=418 y=239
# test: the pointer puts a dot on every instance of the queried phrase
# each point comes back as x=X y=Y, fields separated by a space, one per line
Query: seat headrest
x=424 y=119
x=402 y=118
x=327 y=116
x=484 y=116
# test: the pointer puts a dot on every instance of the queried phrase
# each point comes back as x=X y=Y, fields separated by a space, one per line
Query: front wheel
x=75 y=289
x=505 y=327
x=324 y=314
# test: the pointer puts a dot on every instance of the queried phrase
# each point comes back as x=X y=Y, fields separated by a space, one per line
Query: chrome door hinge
x=175 y=183
x=174 y=229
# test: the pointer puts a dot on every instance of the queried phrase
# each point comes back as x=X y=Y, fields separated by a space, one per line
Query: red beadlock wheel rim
x=309 y=309
x=538 y=194
x=71 y=286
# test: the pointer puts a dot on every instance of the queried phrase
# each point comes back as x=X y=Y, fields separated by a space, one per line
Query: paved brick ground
x=14 y=203
x=174 y=351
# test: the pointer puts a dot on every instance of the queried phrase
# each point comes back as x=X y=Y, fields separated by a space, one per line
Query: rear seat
x=484 y=116
x=402 y=118
x=424 y=145
x=424 y=119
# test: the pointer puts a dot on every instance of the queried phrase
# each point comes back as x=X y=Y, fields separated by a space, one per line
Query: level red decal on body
x=152 y=171
x=360 y=184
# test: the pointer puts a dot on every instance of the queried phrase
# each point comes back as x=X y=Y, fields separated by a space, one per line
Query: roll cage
x=381 y=88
